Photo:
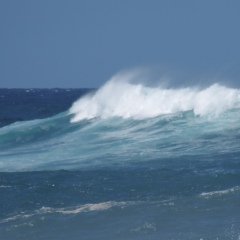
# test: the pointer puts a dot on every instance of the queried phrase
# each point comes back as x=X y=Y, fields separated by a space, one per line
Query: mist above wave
x=120 y=97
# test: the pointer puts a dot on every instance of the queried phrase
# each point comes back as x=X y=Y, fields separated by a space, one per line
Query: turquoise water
x=137 y=163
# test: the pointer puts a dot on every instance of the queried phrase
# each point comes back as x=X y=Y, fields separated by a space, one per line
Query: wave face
x=125 y=162
x=124 y=123
x=56 y=143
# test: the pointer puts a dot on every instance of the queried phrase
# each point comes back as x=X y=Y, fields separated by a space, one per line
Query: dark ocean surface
x=124 y=162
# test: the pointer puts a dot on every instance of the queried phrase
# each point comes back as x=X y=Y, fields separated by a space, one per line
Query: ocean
x=125 y=161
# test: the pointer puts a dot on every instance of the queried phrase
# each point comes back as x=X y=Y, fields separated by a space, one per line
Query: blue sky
x=82 y=43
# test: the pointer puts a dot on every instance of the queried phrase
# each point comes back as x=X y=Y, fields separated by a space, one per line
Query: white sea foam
x=121 y=98
x=220 y=192
x=73 y=210
x=84 y=208
x=16 y=217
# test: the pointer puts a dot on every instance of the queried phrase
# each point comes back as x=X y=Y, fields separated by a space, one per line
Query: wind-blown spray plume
x=121 y=98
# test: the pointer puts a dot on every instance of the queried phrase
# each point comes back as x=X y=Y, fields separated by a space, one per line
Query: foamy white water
x=121 y=98
x=220 y=192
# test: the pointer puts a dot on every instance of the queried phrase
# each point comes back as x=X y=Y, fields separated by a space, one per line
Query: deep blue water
x=129 y=163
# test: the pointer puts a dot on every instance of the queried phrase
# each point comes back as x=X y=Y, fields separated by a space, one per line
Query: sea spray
x=121 y=98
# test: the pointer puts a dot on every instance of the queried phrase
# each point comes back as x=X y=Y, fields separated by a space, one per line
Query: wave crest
x=121 y=98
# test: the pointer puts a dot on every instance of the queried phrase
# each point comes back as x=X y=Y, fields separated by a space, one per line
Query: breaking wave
x=126 y=123
x=120 y=97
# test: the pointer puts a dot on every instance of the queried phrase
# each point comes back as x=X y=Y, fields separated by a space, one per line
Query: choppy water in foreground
x=137 y=163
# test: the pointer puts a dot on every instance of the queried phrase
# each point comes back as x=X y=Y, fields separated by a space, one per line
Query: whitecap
x=119 y=97
x=220 y=192
x=84 y=208
x=70 y=210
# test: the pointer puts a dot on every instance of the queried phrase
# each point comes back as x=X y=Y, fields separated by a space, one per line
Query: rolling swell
x=131 y=125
